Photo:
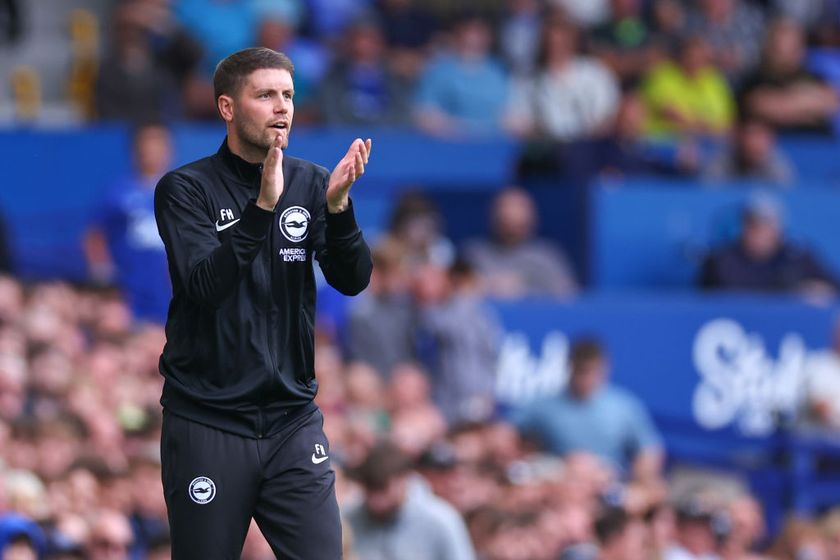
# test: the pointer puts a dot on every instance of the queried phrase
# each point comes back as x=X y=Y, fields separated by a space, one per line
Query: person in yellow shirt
x=688 y=96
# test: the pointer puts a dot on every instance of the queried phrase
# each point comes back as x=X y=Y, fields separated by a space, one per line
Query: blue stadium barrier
x=53 y=179
x=653 y=233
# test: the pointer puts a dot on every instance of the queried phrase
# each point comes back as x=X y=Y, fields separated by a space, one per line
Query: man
x=241 y=435
x=596 y=417
x=400 y=518
x=123 y=246
x=514 y=262
x=763 y=260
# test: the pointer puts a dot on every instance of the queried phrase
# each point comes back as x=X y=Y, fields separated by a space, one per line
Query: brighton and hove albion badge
x=294 y=223
x=202 y=490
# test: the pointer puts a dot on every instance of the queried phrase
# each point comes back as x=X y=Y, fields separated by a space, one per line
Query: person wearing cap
x=762 y=260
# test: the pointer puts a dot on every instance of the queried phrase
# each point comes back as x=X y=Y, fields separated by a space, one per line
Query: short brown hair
x=586 y=349
x=230 y=71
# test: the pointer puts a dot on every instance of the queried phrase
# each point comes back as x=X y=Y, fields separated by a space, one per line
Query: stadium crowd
x=428 y=464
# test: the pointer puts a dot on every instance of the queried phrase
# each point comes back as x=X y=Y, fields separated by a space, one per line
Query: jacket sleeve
x=207 y=269
x=340 y=248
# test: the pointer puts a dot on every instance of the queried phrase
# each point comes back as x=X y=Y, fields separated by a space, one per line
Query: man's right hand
x=272 y=177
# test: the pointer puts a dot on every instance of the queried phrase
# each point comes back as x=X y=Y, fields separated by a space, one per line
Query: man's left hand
x=350 y=168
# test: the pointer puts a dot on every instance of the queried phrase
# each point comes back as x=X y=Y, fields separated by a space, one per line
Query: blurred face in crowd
x=262 y=109
x=695 y=55
x=624 y=8
x=152 y=150
x=472 y=38
x=755 y=142
x=383 y=503
x=747 y=522
x=110 y=538
x=587 y=377
x=761 y=237
x=695 y=535
x=629 y=544
x=785 y=47
x=514 y=217
x=20 y=549
x=365 y=44
x=717 y=10
x=559 y=41
x=630 y=117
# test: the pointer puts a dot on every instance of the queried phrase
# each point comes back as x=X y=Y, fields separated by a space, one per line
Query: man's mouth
x=279 y=126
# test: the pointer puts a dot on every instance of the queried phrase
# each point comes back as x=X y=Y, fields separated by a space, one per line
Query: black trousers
x=216 y=481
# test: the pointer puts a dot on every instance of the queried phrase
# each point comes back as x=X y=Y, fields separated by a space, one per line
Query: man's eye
x=264 y=96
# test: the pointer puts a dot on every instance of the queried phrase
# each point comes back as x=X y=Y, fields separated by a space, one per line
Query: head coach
x=242 y=436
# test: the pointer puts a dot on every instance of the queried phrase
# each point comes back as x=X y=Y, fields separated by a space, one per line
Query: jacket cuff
x=256 y=221
x=343 y=223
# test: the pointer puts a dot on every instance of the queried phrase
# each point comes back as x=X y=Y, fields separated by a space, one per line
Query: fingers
x=360 y=164
x=368 y=144
x=274 y=155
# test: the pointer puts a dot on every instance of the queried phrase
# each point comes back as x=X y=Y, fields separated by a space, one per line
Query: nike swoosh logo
x=224 y=227
x=319 y=460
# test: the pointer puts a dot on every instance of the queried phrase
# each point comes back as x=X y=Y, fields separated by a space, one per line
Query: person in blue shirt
x=123 y=247
x=463 y=91
x=594 y=416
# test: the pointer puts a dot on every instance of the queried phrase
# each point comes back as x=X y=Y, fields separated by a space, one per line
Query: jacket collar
x=238 y=167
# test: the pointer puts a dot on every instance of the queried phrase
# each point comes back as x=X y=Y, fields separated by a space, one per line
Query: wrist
x=266 y=204
x=338 y=207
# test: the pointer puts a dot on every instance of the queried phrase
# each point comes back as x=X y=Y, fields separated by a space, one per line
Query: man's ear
x=225 y=106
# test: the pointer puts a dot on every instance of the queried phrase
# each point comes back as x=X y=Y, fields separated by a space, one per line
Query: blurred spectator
x=20 y=537
x=830 y=527
x=416 y=423
x=110 y=536
x=417 y=226
x=519 y=33
x=409 y=28
x=782 y=91
x=11 y=25
x=464 y=90
x=752 y=154
x=569 y=96
x=381 y=322
x=594 y=416
x=329 y=18
x=746 y=529
x=360 y=88
x=513 y=262
x=733 y=30
x=131 y=85
x=311 y=59
x=174 y=50
x=462 y=360
x=799 y=538
x=5 y=247
x=626 y=151
x=761 y=259
x=667 y=22
x=620 y=536
x=399 y=517
x=822 y=385
x=221 y=26
x=818 y=17
x=696 y=536
x=585 y=13
x=625 y=43
x=688 y=96
x=123 y=245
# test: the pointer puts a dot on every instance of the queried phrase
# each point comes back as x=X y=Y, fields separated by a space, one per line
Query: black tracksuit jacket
x=240 y=330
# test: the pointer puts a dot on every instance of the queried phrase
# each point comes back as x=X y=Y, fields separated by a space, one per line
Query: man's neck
x=246 y=151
